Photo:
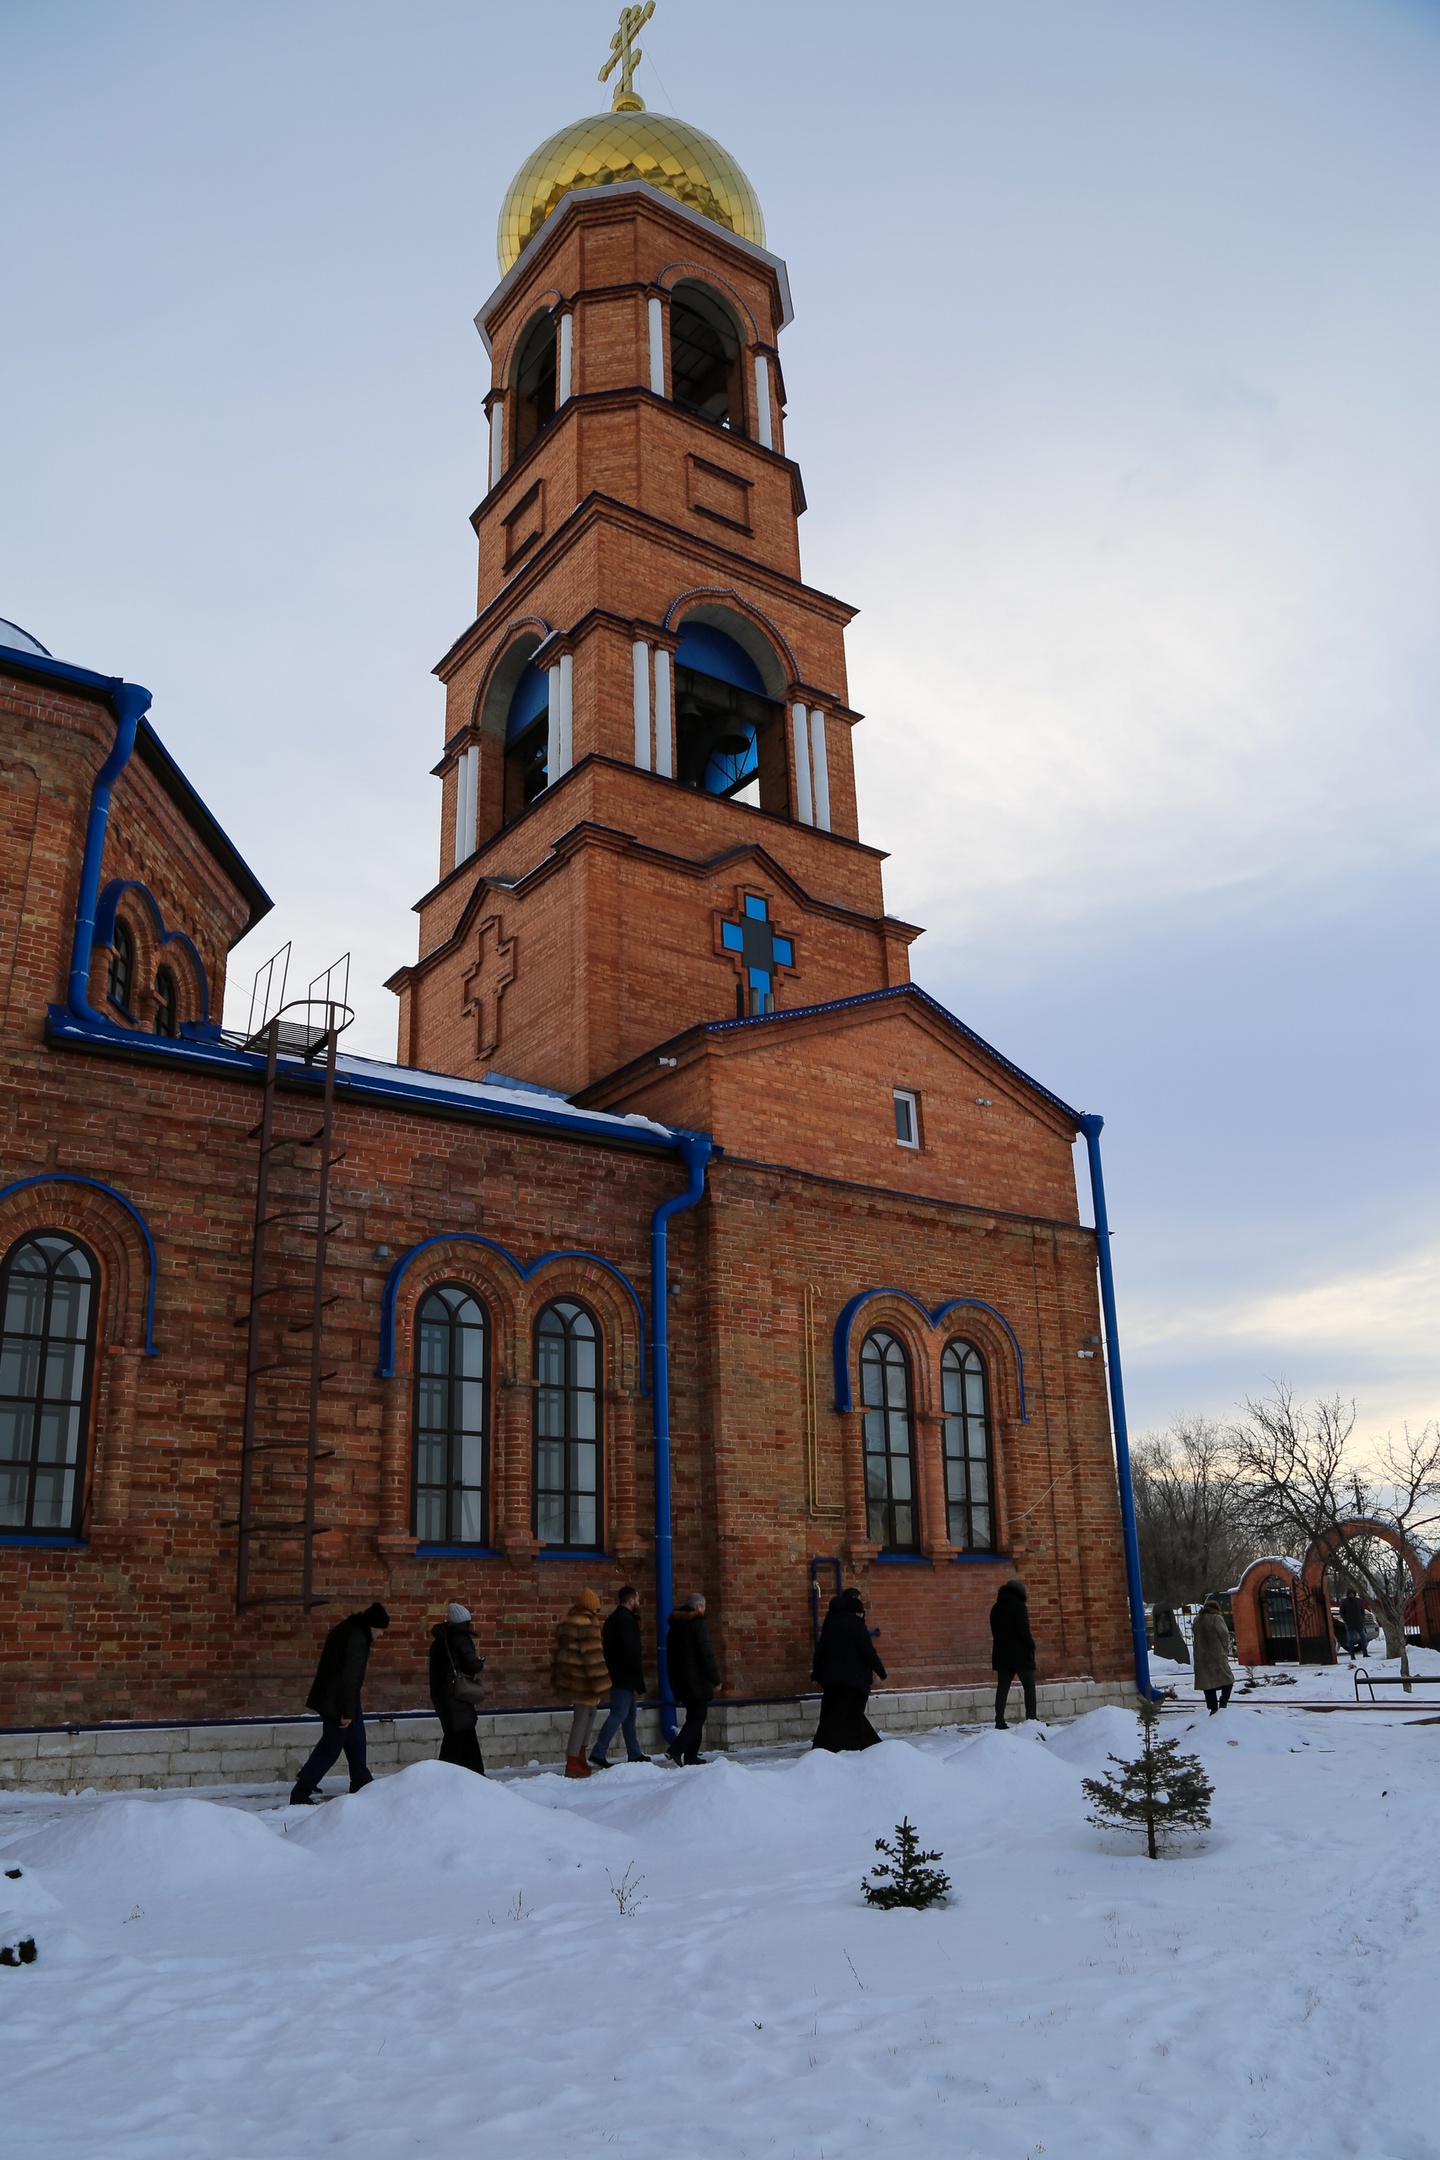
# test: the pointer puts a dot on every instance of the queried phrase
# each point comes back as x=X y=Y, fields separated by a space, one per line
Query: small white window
x=907 y=1118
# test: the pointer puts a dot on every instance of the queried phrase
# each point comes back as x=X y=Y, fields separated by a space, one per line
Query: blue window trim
x=934 y=1315
x=105 y=913
x=972 y=1559
x=572 y=1552
x=385 y=1365
x=458 y=1552
x=902 y=1559
x=52 y=1544
x=70 y=1177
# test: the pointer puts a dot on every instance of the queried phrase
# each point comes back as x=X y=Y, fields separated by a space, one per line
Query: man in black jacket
x=453 y=1656
x=845 y=1663
x=694 y=1675
x=1013 y=1649
x=339 y=1677
x=624 y=1661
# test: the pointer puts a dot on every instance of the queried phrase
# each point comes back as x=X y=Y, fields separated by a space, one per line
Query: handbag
x=466 y=1688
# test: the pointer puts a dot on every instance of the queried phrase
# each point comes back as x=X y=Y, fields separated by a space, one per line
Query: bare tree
x=1194 y=1512
x=1304 y=1479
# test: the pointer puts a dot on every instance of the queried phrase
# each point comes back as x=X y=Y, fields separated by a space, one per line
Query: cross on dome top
x=626 y=55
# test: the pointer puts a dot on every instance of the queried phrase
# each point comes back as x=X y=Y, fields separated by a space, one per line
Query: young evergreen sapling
x=1160 y=1790
x=906 y=1875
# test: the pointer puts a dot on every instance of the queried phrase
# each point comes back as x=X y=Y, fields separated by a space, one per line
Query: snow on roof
x=508 y=1096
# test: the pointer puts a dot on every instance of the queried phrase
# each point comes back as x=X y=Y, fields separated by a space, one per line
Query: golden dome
x=617 y=146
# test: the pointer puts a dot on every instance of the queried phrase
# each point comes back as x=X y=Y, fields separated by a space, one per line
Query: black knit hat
x=375 y=1616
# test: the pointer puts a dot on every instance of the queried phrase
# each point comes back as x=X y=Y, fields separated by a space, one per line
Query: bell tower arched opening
x=527 y=741
x=705 y=349
x=728 y=733
x=535 y=379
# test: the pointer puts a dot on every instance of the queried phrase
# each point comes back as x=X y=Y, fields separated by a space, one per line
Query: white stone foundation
x=122 y=1758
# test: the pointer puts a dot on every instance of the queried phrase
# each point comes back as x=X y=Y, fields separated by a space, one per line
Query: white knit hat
x=456 y=1615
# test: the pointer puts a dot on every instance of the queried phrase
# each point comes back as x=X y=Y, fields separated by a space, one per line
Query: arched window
x=722 y=714
x=527 y=740
x=889 y=1444
x=48 y=1298
x=567 y=1426
x=122 y=968
x=705 y=345
x=535 y=382
x=452 y=1422
x=969 y=1498
x=167 y=1003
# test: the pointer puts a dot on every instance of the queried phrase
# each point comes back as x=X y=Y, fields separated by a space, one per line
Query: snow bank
x=137 y=1848
x=434 y=1816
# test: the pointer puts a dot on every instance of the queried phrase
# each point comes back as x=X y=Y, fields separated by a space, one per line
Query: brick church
x=687 y=1241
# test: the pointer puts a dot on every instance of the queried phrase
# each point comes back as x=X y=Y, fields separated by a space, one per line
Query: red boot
x=576 y=1766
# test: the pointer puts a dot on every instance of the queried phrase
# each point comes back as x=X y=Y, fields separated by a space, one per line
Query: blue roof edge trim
x=876 y=997
x=211 y=1055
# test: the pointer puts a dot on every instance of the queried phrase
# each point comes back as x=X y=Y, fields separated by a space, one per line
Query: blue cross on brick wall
x=761 y=950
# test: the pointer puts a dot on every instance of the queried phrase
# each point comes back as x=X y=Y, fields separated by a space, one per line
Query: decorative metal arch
x=385 y=1368
x=105 y=913
x=70 y=1177
x=933 y=1315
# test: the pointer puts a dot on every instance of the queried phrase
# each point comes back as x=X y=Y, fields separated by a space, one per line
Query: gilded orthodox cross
x=761 y=951
x=487 y=982
x=626 y=55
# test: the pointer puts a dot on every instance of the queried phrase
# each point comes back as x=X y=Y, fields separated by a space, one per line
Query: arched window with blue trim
x=705 y=349
x=724 y=721
x=452 y=1417
x=567 y=1427
x=527 y=741
x=892 y=1520
x=120 y=980
x=969 y=1494
x=49 y=1289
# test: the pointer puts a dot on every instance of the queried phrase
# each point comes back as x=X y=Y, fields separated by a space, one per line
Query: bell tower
x=648 y=814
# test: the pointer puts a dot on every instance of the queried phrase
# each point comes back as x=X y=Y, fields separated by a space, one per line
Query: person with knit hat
x=580 y=1676
x=453 y=1661
x=339 y=1677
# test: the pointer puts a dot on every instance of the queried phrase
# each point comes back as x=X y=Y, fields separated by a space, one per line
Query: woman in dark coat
x=1012 y=1649
x=452 y=1654
x=845 y=1664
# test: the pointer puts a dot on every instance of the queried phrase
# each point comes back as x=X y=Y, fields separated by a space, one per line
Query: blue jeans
x=623 y=1703
x=326 y=1753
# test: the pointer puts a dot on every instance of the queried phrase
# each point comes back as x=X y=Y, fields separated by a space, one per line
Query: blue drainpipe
x=695 y=1152
x=1091 y=1127
x=129 y=702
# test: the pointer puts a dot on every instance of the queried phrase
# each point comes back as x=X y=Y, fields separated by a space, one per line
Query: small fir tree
x=906 y=1875
x=1159 y=1791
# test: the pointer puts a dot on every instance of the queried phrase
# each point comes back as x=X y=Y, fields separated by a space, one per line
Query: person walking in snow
x=455 y=1688
x=578 y=1675
x=1213 y=1675
x=1352 y=1619
x=624 y=1661
x=845 y=1664
x=339 y=1677
x=1012 y=1649
x=694 y=1675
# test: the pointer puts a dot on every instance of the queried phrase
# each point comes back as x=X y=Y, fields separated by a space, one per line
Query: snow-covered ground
x=439 y=1965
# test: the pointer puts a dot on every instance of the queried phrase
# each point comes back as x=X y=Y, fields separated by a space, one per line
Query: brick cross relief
x=487 y=982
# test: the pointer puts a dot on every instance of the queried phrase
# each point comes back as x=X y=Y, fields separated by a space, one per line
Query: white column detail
x=764 y=425
x=562 y=732
x=820 y=763
x=497 y=440
x=800 y=734
x=642 y=704
x=563 y=366
x=664 y=757
x=657 y=347
x=467 y=771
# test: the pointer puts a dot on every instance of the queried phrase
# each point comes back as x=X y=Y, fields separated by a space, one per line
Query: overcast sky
x=1113 y=382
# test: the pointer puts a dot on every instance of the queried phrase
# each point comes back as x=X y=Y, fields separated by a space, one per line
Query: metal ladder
x=280 y=1310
